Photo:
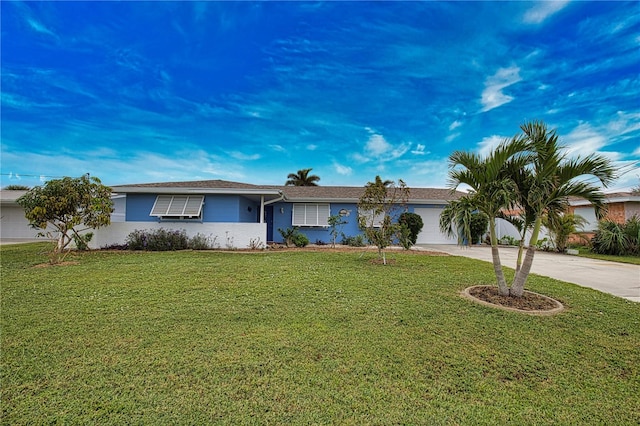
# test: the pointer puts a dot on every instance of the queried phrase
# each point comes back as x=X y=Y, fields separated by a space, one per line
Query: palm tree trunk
x=517 y=287
x=520 y=251
x=495 y=256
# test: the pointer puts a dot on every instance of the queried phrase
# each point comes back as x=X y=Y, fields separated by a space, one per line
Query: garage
x=13 y=224
x=430 y=233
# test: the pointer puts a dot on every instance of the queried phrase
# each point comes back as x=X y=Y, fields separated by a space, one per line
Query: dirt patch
x=530 y=302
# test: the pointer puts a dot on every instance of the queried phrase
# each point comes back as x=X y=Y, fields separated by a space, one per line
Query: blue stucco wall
x=283 y=219
x=216 y=208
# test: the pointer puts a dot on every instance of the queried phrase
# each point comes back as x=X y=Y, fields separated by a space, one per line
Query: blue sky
x=137 y=92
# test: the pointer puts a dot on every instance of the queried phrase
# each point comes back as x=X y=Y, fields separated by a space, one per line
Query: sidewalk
x=619 y=279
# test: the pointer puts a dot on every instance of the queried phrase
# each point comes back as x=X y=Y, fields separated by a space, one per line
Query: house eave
x=629 y=199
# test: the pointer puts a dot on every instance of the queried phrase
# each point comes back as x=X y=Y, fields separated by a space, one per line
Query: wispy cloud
x=493 y=95
x=342 y=170
x=488 y=144
x=377 y=148
x=452 y=137
x=543 y=10
x=455 y=125
x=244 y=157
x=419 y=150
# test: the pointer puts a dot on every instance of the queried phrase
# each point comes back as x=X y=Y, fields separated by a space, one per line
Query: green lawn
x=302 y=338
x=634 y=260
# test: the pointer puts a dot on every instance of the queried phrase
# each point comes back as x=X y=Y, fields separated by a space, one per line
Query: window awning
x=177 y=206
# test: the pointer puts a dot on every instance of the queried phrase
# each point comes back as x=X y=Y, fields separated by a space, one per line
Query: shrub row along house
x=240 y=215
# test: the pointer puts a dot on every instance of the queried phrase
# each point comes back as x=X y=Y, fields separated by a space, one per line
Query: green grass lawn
x=302 y=338
x=634 y=260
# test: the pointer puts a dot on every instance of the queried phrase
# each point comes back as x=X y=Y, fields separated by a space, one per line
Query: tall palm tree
x=302 y=178
x=551 y=180
x=492 y=187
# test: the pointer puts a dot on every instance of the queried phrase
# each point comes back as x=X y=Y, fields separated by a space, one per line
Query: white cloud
x=312 y=147
x=277 y=148
x=452 y=136
x=488 y=144
x=583 y=140
x=542 y=10
x=37 y=26
x=342 y=170
x=244 y=157
x=455 y=125
x=379 y=149
x=419 y=150
x=637 y=151
x=377 y=145
x=492 y=95
x=431 y=173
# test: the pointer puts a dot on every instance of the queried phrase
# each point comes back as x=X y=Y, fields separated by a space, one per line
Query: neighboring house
x=240 y=215
x=621 y=206
x=13 y=224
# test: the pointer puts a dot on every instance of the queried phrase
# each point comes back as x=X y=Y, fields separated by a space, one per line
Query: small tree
x=378 y=210
x=561 y=227
x=65 y=204
x=16 y=188
x=335 y=227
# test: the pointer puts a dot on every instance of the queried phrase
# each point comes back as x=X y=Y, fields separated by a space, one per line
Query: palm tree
x=561 y=227
x=492 y=187
x=455 y=219
x=302 y=178
x=551 y=180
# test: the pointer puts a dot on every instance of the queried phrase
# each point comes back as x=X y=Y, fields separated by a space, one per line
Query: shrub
x=288 y=234
x=478 y=227
x=404 y=236
x=300 y=240
x=158 y=240
x=82 y=240
x=414 y=224
x=356 y=241
x=202 y=242
x=543 y=244
x=508 y=240
x=617 y=239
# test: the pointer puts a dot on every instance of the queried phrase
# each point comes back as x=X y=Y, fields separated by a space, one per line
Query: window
x=178 y=206
x=310 y=215
x=372 y=220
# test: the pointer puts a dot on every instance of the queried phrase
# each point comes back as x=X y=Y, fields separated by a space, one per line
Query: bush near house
x=616 y=238
x=166 y=240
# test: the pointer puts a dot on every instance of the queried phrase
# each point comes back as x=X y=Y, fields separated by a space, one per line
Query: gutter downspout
x=266 y=203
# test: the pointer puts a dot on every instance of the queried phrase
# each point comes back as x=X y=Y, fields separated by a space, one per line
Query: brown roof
x=208 y=184
x=293 y=193
x=353 y=193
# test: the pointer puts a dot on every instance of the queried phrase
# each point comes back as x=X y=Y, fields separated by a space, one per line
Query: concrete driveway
x=619 y=279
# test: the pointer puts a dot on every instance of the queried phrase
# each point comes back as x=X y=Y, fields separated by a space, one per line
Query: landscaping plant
x=64 y=208
x=378 y=211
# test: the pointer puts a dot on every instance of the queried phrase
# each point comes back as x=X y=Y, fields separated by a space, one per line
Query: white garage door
x=430 y=233
x=13 y=224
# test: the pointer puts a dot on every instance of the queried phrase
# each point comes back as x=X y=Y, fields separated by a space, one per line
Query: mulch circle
x=530 y=302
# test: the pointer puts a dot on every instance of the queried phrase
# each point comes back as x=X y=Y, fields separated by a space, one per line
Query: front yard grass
x=302 y=338
x=586 y=252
